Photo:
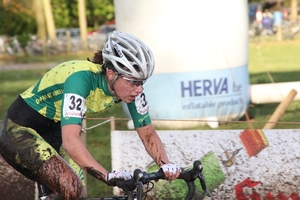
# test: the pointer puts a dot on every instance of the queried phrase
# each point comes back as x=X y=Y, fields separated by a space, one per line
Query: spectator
x=267 y=22
x=278 y=19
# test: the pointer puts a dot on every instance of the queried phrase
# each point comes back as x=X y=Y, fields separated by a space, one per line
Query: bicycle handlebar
x=188 y=176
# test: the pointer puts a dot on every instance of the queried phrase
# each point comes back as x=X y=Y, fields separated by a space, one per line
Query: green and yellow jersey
x=75 y=88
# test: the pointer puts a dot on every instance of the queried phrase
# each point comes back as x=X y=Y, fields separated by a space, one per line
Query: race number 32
x=74 y=105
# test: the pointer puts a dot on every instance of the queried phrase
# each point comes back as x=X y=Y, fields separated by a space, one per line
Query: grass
x=274 y=56
x=39 y=59
x=278 y=60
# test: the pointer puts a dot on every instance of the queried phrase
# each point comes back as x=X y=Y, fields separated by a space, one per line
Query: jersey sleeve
x=138 y=110
x=76 y=89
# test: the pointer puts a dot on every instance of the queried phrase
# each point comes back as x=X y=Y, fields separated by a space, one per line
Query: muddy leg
x=60 y=178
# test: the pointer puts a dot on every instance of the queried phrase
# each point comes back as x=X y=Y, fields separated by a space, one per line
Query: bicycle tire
x=140 y=191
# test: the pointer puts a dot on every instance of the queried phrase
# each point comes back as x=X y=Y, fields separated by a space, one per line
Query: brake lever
x=198 y=165
x=130 y=184
x=203 y=184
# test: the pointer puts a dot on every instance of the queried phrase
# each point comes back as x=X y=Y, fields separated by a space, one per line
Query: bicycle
x=134 y=187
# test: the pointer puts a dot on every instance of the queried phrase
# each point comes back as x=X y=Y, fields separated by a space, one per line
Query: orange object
x=254 y=141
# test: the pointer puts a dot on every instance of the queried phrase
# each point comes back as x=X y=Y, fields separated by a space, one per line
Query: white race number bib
x=74 y=106
x=141 y=104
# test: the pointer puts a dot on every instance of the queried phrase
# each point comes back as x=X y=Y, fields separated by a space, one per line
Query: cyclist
x=39 y=135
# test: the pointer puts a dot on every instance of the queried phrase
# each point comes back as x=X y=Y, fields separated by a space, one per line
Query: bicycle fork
x=203 y=184
x=43 y=191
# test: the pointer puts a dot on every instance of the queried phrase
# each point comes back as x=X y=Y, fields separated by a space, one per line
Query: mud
x=14 y=186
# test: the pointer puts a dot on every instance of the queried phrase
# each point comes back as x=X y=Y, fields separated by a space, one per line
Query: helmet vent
x=129 y=55
x=136 y=67
x=124 y=68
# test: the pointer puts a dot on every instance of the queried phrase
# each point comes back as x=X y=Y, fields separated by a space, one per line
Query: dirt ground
x=14 y=186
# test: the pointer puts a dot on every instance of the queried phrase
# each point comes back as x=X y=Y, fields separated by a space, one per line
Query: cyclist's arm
x=155 y=149
x=79 y=153
x=72 y=111
x=153 y=144
x=139 y=112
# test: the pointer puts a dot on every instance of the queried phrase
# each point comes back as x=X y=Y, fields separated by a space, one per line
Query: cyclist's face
x=127 y=88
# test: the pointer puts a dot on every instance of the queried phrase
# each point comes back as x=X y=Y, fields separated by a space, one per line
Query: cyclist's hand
x=171 y=171
x=115 y=176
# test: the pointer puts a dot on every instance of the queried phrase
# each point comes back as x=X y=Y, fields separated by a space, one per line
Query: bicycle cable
x=148 y=189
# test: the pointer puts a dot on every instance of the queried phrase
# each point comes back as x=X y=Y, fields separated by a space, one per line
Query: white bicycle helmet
x=129 y=56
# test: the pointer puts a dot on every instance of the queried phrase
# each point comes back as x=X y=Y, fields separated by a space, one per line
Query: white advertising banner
x=238 y=164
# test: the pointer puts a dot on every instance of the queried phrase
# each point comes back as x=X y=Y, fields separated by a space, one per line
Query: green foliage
x=15 y=22
x=17 y=17
x=101 y=10
x=61 y=14
x=66 y=12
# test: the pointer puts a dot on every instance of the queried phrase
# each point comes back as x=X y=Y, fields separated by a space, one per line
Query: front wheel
x=140 y=191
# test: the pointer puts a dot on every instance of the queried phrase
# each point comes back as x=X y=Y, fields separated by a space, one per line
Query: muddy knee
x=60 y=178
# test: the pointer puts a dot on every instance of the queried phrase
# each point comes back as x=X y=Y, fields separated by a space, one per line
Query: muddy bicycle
x=134 y=188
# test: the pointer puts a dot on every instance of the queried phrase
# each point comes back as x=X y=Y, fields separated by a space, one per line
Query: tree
x=294 y=10
x=40 y=18
x=99 y=12
x=82 y=23
x=49 y=20
x=17 y=18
